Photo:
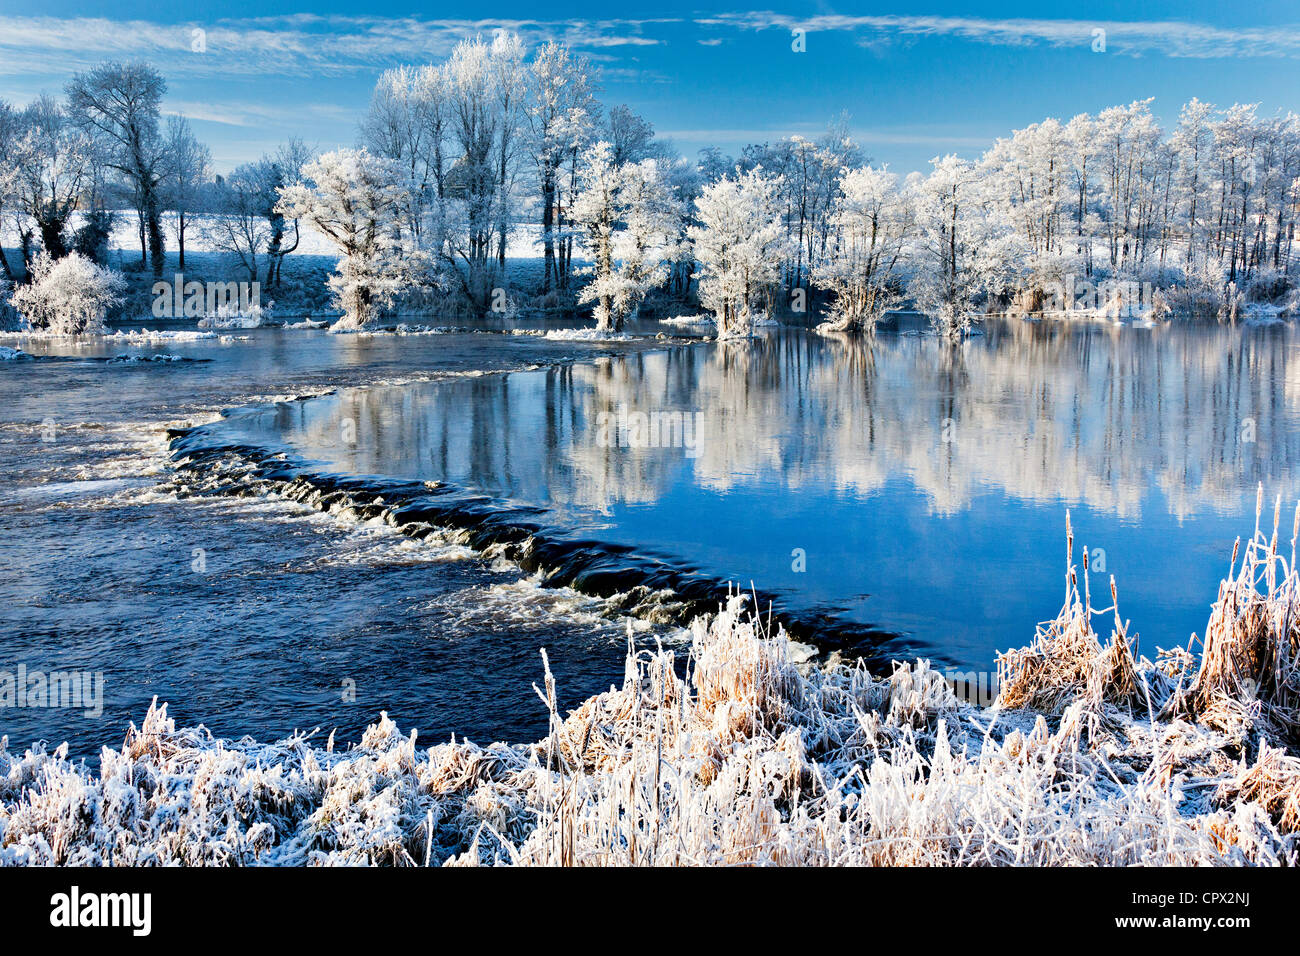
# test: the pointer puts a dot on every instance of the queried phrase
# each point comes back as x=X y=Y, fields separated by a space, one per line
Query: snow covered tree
x=631 y=136
x=407 y=122
x=188 y=169
x=10 y=130
x=596 y=211
x=67 y=296
x=1026 y=178
x=485 y=113
x=51 y=164
x=1127 y=138
x=1085 y=223
x=509 y=86
x=1192 y=142
x=358 y=201
x=273 y=173
x=1209 y=211
x=631 y=222
x=560 y=117
x=961 y=248
x=809 y=172
x=739 y=244
x=120 y=103
x=870 y=225
x=651 y=239
x=239 y=226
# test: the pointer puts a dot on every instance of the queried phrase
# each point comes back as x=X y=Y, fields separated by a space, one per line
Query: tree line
x=461 y=166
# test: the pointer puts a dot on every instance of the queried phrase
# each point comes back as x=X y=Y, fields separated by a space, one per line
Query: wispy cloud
x=257 y=115
x=338 y=45
x=1168 y=37
x=281 y=45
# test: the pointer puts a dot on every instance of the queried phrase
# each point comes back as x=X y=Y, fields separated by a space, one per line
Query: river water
x=355 y=523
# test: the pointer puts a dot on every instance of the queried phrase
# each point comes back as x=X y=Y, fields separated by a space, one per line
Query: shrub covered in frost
x=69 y=295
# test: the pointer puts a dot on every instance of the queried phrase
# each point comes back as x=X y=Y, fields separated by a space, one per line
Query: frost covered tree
x=10 y=128
x=238 y=226
x=739 y=245
x=407 y=122
x=1127 y=137
x=560 y=116
x=52 y=162
x=273 y=173
x=870 y=225
x=358 y=201
x=631 y=221
x=248 y=221
x=510 y=80
x=1084 y=218
x=809 y=172
x=485 y=113
x=67 y=296
x=653 y=236
x=1208 y=212
x=631 y=137
x=120 y=102
x=1026 y=177
x=458 y=131
x=596 y=211
x=955 y=255
x=188 y=170
x=481 y=134
x=1192 y=141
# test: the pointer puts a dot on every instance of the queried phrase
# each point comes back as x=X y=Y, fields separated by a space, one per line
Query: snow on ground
x=154 y=336
x=123 y=336
x=690 y=320
x=165 y=336
x=580 y=335
x=224 y=319
x=1271 y=313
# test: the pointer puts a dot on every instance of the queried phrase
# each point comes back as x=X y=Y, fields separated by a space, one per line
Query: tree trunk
x=273 y=248
x=154 y=225
x=548 y=228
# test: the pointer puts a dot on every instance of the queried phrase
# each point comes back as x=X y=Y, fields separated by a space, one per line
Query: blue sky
x=916 y=81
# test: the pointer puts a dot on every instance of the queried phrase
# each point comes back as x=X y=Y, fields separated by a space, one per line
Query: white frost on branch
x=360 y=202
x=739 y=244
x=631 y=221
x=68 y=296
x=871 y=223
